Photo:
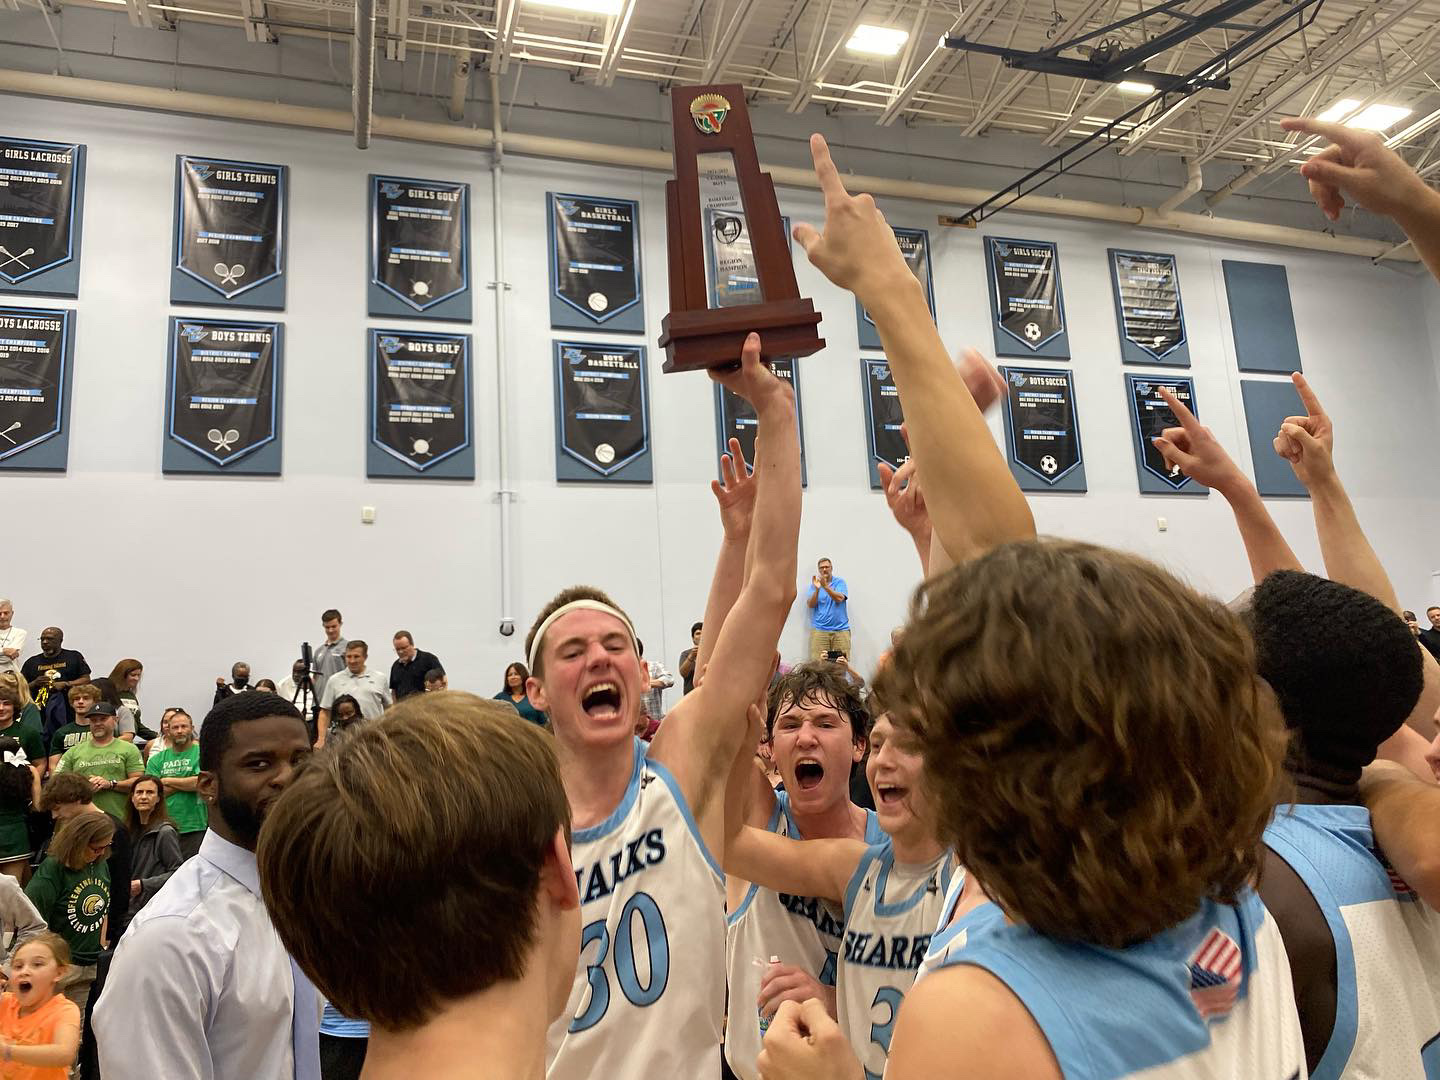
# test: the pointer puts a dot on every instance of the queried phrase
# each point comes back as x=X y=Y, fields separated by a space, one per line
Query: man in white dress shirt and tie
x=220 y=996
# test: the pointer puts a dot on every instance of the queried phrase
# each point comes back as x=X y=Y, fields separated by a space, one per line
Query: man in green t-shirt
x=111 y=764
x=178 y=767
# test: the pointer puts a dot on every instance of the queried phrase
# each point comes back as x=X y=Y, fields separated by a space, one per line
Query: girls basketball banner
x=37 y=350
x=595 y=263
x=420 y=417
x=229 y=233
x=735 y=417
x=222 y=408
x=42 y=187
x=1042 y=433
x=1027 y=303
x=419 y=248
x=602 y=413
x=915 y=246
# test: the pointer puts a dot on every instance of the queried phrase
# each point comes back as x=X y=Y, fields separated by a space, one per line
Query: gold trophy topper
x=709 y=112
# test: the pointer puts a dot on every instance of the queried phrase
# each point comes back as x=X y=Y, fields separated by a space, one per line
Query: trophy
x=729 y=257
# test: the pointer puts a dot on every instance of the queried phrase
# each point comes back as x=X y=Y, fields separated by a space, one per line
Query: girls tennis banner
x=42 y=187
x=229 y=233
x=37 y=350
x=419 y=248
x=420 y=422
x=222 y=408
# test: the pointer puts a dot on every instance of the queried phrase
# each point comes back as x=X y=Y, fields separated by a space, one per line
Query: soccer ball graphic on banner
x=1049 y=466
x=1032 y=331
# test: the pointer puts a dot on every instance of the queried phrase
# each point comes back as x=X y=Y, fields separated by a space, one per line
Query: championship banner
x=1042 y=432
x=1027 y=304
x=595 y=263
x=229 y=233
x=602 y=413
x=42 y=186
x=730 y=259
x=1149 y=417
x=1147 y=305
x=222 y=409
x=37 y=352
x=420 y=425
x=882 y=419
x=735 y=418
x=915 y=246
x=419 y=248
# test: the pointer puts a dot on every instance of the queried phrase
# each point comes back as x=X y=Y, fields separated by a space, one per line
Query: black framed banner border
x=723 y=431
x=1071 y=479
x=573 y=467
x=262 y=459
x=383 y=462
x=869 y=336
x=1131 y=351
x=1008 y=343
x=188 y=287
x=49 y=452
x=60 y=278
x=868 y=366
x=1151 y=480
x=384 y=301
x=565 y=314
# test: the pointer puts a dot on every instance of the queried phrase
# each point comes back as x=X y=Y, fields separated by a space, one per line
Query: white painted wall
x=190 y=574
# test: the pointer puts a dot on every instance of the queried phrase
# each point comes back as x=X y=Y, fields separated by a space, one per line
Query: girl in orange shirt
x=39 y=1029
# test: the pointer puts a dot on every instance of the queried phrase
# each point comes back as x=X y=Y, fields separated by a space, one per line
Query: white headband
x=575 y=605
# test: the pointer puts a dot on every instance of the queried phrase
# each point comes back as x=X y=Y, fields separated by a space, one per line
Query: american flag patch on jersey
x=1398 y=885
x=1215 y=974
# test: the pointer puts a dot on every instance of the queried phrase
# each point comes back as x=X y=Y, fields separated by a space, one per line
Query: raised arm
x=820 y=868
x=709 y=726
x=1194 y=448
x=1358 y=164
x=974 y=501
x=735 y=494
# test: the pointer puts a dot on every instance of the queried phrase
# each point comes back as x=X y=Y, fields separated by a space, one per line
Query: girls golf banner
x=419 y=248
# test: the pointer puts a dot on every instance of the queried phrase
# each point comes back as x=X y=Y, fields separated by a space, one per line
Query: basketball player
x=648 y=998
x=1364 y=952
x=892 y=892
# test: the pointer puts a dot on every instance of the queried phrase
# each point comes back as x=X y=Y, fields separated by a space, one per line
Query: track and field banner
x=735 y=418
x=1149 y=417
x=915 y=246
x=230 y=233
x=42 y=200
x=1042 y=430
x=1027 y=301
x=602 y=413
x=1148 y=308
x=595 y=281
x=37 y=357
x=419 y=248
x=883 y=417
x=222 y=404
x=420 y=397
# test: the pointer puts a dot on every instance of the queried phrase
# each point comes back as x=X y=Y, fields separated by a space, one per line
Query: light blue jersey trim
x=684 y=807
x=771 y=826
x=610 y=824
x=900 y=907
x=858 y=878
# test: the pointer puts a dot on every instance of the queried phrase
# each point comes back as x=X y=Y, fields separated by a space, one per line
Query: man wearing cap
x=110 y=764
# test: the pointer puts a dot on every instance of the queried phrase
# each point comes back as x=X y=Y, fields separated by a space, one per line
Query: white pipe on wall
x=362 y=70
x=505 y=493
x=176 y=101
x=1195 y=182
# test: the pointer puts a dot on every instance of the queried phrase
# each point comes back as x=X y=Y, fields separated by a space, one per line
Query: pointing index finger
x=825 y=171
x=1183 y=414
x=1338 y=134
x=1307 y=396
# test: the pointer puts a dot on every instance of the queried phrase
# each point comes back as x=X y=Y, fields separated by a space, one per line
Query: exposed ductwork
x=362 y=71
x=1192 y=185
x=1244 y=178
x=459 y=87
x=263 y=112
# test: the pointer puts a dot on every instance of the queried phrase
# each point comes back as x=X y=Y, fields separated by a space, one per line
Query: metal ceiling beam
x=905 y=93
x=730 y=40
x=1079 y=112
x=810 y=80
x=616 y=33
x=256 y=20
x=506 y=13
x=397 y=27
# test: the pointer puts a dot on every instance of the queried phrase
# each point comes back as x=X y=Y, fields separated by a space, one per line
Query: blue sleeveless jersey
x=1210 y=999
x=1387 y=946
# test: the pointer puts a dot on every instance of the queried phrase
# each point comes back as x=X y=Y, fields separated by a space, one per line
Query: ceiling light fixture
x=877 y=40
x=583 y=7
x=1134 y=86
x=1376 y=117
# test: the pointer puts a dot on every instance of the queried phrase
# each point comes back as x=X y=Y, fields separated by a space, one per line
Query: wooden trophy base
x=714 y=338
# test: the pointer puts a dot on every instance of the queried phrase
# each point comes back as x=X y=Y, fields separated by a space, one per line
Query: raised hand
x=1358 y=164
x=985 y=383
x=1307 y=442
x=1194 y=448
x=753 y=380
x=904 y=497
x=735 y=492
x=857 y=249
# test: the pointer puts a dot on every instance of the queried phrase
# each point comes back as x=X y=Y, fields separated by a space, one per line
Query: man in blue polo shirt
x=829 y=616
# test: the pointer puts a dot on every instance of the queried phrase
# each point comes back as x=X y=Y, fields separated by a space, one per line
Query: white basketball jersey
x=1387 y=946
x=649 y=992
x=951 y=933
x=801 y=930
x=890 y=912
x=1210 y=999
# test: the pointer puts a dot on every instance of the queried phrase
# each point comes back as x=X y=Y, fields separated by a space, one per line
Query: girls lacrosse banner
x=42 y=195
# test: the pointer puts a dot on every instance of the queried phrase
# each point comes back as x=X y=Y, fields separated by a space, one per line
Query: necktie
x=305 y=1027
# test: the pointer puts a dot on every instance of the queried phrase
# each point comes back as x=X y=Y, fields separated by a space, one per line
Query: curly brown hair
x=1101 y=752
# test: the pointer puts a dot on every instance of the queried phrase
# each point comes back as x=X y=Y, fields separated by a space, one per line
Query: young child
x=39 y=1027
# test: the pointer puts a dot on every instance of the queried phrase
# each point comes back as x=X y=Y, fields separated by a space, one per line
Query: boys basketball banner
x=1027 y=303
x=222 y=412
x=602 y=412
x=41 y=194
x=36 y=354
x=229 y=233
x=595 y=263
x=420 y=405
x=419 y=248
